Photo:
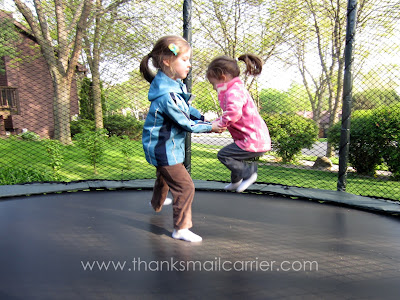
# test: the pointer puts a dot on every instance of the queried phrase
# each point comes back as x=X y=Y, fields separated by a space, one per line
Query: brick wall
x=35 y=89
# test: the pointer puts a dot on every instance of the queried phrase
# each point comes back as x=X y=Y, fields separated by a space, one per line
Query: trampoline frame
x=323 y=196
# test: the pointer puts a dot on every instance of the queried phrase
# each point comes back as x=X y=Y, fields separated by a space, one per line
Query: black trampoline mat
x=112 y=245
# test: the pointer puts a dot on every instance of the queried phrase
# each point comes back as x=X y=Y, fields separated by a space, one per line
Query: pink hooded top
x=241 y=117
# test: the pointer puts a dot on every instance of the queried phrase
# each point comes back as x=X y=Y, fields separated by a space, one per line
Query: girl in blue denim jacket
x=169 y=119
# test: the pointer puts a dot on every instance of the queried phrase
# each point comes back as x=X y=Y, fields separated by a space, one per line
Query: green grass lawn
x=28 y=161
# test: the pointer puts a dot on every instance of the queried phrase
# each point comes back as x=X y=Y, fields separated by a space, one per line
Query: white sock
x=246 y=183
x=186 y=235
x=168 y=201
x=233 y=186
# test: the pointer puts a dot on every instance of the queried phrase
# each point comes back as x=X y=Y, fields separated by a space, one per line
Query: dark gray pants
x=235 y=158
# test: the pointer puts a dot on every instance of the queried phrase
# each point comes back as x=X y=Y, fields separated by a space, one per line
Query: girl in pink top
x=241 y=117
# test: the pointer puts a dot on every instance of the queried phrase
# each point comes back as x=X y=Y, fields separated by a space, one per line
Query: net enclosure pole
x=187 y=35
x=347 y=95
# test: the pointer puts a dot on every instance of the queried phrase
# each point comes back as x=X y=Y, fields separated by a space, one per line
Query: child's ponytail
x=223 y=65
x=145 y=69
x=253 y=64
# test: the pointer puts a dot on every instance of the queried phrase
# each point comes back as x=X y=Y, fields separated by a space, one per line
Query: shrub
x=30 y=136
x=123 y=125
x=54 y=150
x=81 y=125
x=290 y=134
x=127 y=148
x=386 y=133
x=13 y=175
x=94 y=143
x=374 y=137
x=364 y=151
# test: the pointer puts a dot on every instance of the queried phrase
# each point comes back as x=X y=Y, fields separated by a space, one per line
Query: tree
x=208 y=102
x=95 y=40
x=299 y=98
x=320 y=33
x=130 y=95
x=121 y=32
x=236 y=27
x=275 y=101
x=374 y=98
x=8 y=38
x=86 y=100
x=59 y=34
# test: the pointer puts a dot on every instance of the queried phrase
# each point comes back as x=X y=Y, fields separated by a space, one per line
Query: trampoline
x=112 y=245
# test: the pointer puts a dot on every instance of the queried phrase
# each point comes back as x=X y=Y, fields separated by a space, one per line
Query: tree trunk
x=98 y=109
x=334 y=113
x=61 y=108
x=94 y=64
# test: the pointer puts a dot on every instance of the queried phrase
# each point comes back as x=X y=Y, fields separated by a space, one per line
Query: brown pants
x=177 y=180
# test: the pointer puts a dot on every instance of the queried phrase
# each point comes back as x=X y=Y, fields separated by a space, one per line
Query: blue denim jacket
x=169 y=118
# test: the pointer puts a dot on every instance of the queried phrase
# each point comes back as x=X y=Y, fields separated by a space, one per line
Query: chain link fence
x=49 y=111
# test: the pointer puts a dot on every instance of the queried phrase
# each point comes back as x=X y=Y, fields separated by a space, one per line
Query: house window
x=3 y=75
x=9 y=99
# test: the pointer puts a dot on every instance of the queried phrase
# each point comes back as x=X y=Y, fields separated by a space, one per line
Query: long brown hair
x=223 y=65
x=166 y=47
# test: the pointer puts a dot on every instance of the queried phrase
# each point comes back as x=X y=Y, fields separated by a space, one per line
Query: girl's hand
x=217 y=128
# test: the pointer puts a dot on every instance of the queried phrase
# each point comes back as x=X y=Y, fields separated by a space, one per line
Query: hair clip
x=174 y=48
